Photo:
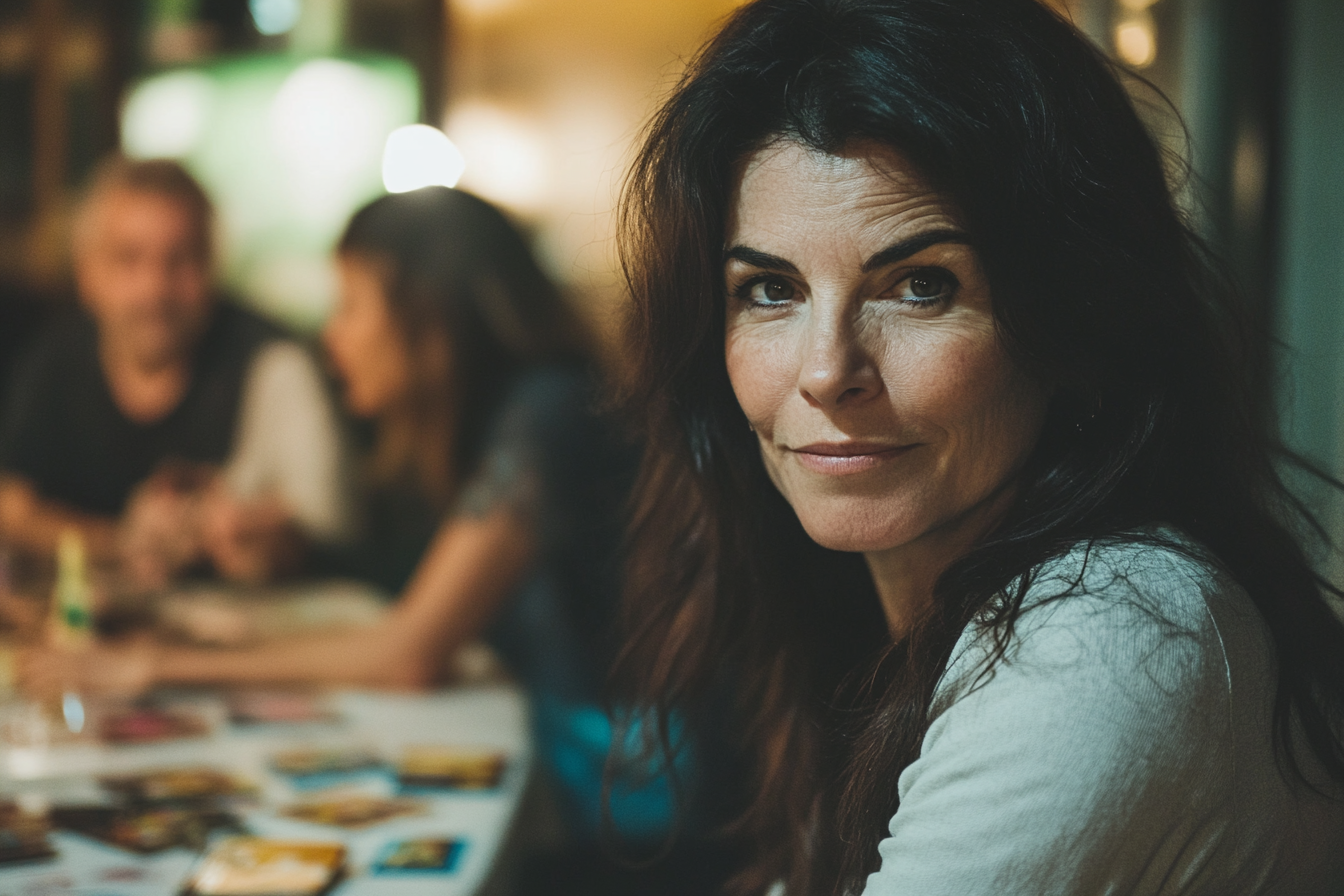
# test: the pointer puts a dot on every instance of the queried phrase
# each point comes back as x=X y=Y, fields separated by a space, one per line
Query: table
x=491 y=715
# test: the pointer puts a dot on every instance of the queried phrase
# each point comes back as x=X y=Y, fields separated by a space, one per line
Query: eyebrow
x=892 y=254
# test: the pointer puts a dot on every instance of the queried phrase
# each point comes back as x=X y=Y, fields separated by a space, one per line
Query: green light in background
x=288 y=148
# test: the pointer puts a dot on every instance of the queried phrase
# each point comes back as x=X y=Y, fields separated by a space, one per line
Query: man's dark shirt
x=63 y=432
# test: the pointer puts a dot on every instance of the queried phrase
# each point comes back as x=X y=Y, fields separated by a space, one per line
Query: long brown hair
x=1100 y=290
x=473 y=307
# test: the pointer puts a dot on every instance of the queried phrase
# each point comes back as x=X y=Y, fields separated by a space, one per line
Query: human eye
x=767 y=291
x=926 y=287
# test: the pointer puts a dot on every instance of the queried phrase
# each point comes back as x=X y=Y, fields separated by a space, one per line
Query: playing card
x=149 y=724
x=176 y=785
x=423 y=856
x=253 y=866
x=143 y=830
x=23 y=835
x=454 y=768
x=352 y=810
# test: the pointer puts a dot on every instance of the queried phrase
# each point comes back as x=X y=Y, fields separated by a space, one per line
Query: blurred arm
x=471 y=568
x=32 y=523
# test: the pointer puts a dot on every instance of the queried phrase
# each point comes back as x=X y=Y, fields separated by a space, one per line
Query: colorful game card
x=177 y=785
x=278 y=708
x=353 y=810
x=424 y=856
x=23 y=835
x=310 y=761
x=450 y=768
x=149 y=724
x=144 y=830
x=253 y=866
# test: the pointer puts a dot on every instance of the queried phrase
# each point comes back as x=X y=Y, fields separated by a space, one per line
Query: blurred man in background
x=171 y=429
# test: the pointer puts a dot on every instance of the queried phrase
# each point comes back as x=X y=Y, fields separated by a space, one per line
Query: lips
x=840 y=458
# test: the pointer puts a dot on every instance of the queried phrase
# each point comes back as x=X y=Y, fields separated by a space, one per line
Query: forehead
x=125 y=213
x=867 y=191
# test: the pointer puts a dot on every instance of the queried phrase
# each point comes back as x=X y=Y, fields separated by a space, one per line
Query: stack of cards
x=144 y=830
x=252 y=866
x=321 y=766
x=449 y=768
x=189 y=786
x=23 y=835
x=353 y=810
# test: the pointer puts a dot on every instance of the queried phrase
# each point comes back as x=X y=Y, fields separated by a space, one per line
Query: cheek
x=987 y=412
x=763 y=371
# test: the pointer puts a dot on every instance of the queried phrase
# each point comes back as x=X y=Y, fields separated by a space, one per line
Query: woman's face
x=364 y=343
x=861 y=346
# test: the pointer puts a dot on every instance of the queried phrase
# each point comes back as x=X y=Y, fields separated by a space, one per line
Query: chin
x=844 y=527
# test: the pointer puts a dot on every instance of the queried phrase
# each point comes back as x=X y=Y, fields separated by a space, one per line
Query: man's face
x=143 y=273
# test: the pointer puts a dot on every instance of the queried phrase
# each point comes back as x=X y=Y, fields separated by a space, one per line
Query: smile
x=842 y=458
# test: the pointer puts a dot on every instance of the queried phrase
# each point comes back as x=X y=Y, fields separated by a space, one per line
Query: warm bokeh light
x=418 y=155
x=274 y=16
x=483 y=8
x=166 y=116
x=1136 y=5
x=1135 y=43
x=506 y=155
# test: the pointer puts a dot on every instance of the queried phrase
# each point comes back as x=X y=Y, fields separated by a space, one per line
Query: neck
x=905 y=576
x=145 y=389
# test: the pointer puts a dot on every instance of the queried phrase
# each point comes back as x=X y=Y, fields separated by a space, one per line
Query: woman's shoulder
x=1148 y=625
x=1151 y=593
x=1111 y=739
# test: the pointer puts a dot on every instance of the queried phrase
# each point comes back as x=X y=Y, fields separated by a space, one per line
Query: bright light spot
x=505 y=155
x=483 y=8
x=73 y=710
x=418 y=155
x=165 y=116
x=1137 y=5
x=274 y=16
x=327 y=119
x=1136 y=43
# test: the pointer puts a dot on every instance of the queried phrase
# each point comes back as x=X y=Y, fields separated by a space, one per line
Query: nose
x=837 y=369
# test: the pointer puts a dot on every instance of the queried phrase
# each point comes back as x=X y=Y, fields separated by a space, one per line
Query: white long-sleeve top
x=289 y=443
x=1123 y=747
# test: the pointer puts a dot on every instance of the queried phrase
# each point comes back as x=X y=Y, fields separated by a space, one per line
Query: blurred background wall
x=283 y=107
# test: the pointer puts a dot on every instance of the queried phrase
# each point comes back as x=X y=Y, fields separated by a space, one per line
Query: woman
x=498 y=491
x=958 y=472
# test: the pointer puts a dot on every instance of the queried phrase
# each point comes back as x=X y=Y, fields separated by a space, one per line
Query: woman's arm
x=470 y=569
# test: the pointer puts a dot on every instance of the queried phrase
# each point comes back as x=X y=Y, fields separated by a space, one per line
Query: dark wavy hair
x=1100 y=289
x=457 y=275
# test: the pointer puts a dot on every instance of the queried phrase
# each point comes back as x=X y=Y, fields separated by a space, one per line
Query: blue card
x=420 y=856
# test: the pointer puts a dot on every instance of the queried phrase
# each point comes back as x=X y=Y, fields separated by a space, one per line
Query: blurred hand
x=248 y=540
x=123 y=669
x=161 y=530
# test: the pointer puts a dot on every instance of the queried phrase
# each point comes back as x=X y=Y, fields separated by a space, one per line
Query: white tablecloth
x=493 y=716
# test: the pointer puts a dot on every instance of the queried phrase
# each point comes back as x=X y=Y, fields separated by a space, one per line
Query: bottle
x=71 y=621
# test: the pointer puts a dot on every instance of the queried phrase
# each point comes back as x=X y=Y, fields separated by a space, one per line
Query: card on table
x=253 y=866
x=144 y=830
x=23 y=835
x=311 y=761
x=278 y=708
x=450 y=768
x=149 y=724
x=177 y=785
x=421 y=856
x=353 y=810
